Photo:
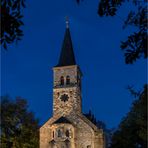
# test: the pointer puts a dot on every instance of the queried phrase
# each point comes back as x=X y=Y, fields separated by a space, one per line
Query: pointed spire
x=67 y=54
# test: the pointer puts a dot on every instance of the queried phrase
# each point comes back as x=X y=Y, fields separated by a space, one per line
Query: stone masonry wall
x=82 y=134
x=73 y=103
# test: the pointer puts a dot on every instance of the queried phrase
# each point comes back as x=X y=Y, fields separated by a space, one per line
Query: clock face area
x=64 y=97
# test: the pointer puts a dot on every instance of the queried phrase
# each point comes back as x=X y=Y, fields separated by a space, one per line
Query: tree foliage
x=135 y=46
x=93 y=119
x=19 y=128
x=132 y=131
x=100 y=125
x=11 y=19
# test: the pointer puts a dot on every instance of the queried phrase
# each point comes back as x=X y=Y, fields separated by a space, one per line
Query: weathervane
x=67 y=22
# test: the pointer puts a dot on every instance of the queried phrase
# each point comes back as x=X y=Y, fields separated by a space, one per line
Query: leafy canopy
x=11 y=19
x=19 y=127
x=135 y=46
x=132 y=131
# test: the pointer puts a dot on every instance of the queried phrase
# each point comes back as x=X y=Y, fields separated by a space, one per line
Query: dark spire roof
x=67 y=54
x=62 y=120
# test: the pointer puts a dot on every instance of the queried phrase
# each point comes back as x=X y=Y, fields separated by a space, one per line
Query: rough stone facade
x=69 y=128
x=73 y=90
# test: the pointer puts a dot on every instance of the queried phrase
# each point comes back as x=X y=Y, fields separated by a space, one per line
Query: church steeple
x=67 y=80
x=68 y=127
x=67 y=54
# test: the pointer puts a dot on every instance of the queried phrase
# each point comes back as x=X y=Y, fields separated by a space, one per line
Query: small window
x=68 y=80
x=59 y=133
x=67 y=133
x=53 y=134
x=62 y=80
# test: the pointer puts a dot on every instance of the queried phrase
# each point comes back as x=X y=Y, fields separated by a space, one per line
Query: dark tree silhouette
x=132 y=131
x=11 y=20
x=135 y=46
x=19 y=127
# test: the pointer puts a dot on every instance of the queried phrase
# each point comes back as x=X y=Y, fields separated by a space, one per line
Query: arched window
x=67 y=133
x=59 y=133
x=68 y=80
x=53 y=134
x=62 y=80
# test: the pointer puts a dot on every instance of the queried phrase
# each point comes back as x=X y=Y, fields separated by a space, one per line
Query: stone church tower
x=69 y=128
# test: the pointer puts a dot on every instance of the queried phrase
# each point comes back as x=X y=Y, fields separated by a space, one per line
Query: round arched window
x=62 y=80
x=59 y=133
x=67 y=133
x=67 y=80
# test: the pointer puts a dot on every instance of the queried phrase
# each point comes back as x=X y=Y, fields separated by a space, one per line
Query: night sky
x=27 y=66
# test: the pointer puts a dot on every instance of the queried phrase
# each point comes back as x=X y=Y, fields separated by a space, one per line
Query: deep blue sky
x=27 y=66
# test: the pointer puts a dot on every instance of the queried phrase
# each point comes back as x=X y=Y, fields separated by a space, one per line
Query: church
x=69 y=127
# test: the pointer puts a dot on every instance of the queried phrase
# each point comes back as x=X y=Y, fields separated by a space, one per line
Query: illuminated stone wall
x=74 y=130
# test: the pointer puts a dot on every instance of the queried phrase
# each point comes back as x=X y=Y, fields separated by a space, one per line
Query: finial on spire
x=67 y=22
